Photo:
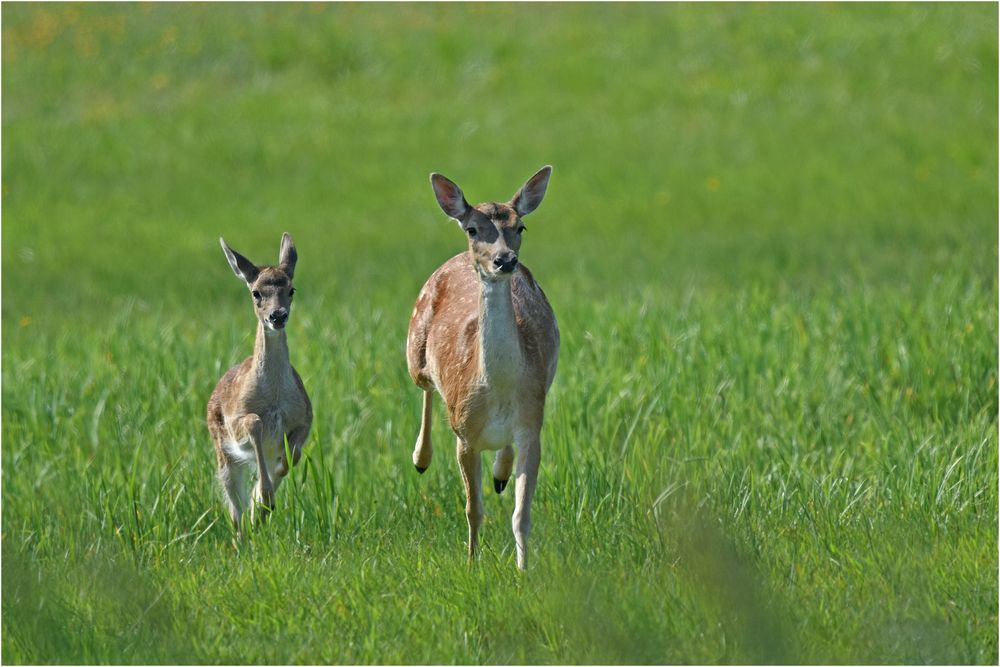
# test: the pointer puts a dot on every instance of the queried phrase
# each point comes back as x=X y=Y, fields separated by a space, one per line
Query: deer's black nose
x=278 y=317
x=506 y=262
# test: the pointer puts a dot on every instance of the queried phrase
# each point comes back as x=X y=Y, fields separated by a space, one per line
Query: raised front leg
x=422 y=451
x=250 y=427
x=502 y=467
x=296 y=441
x=528 y=453
x=470 y=463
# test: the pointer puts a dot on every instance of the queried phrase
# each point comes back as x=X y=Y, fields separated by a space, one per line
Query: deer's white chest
x=502 y=371
x=501 y=358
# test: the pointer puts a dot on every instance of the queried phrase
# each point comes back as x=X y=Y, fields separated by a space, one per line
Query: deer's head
x=270 y=286
x=494 y=230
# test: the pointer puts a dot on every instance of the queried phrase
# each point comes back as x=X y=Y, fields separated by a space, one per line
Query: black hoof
x=419 y=469
x=499 y=485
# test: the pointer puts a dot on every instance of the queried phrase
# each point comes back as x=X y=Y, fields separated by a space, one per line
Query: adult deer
x=485 y=337
x=260 y=401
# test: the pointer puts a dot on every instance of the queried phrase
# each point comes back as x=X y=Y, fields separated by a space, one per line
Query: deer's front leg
x=472 y=474
x=251 y=427
x=296 y=441
x=528 y=454
x=422 y=451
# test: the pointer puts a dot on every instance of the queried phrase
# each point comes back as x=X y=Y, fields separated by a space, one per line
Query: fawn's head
x=494 y=230
x=270 y=286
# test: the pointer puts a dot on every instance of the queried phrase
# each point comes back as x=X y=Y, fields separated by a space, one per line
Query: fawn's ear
x=449 y=196
x=531 y=193
x=242 y=267
x=287 y=255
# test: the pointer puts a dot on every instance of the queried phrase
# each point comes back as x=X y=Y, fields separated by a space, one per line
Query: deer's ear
x=242 y=267
x=287 y=255
x=449 y=197
x=531 y=193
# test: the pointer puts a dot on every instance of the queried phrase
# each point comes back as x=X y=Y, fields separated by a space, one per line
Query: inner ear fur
x=242 y=267
x=287 y=255
x=532 y=192
x=450 y=197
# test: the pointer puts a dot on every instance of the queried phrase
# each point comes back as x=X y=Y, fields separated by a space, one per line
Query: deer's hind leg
x=422 y=451
x=502 y=467
x=233 y=479
x=231 y=471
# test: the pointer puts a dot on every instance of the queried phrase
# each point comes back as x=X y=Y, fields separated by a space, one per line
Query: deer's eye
x=471 y=231
x=291 y=292
x=256 y=295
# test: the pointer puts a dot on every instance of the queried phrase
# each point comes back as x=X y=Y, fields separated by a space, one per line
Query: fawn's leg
x=422 y=451
x=296 y=440
x=251 y=427
x=232 y=476
x=470 y=463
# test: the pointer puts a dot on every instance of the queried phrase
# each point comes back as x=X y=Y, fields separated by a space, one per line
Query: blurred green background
x=770 y=240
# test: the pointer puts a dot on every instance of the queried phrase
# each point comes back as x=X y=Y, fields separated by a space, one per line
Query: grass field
x=771 y=243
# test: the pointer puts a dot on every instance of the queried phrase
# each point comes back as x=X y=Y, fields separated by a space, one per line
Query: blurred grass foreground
x=771 y=243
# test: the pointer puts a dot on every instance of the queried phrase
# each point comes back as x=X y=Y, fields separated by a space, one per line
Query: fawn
x=260 y=401
x=484 y=336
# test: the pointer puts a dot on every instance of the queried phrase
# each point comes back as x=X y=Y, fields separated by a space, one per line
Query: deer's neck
x=500 y=355
x=270 y=355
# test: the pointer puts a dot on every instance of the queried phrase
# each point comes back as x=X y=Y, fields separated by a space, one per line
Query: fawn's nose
x=278 y=317
x=505 y=262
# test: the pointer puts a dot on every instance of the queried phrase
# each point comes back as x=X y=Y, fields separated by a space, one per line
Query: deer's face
x=494 y=232
x=272 y=293
x=270 y=286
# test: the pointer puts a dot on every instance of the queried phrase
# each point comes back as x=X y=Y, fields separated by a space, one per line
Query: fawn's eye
x=291 y=292
x=472 y=231
x=256 y=295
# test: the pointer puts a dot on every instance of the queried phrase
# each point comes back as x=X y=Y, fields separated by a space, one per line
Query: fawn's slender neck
x=499 y=339
x=270 y=354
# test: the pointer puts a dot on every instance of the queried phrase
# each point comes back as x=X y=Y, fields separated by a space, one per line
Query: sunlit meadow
x=771 y=243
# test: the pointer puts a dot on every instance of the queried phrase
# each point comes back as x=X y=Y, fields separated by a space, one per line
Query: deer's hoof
x=419 y=469
x=499 y=485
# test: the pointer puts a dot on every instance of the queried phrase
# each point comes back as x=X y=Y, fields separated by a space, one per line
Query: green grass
x=771 y=243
